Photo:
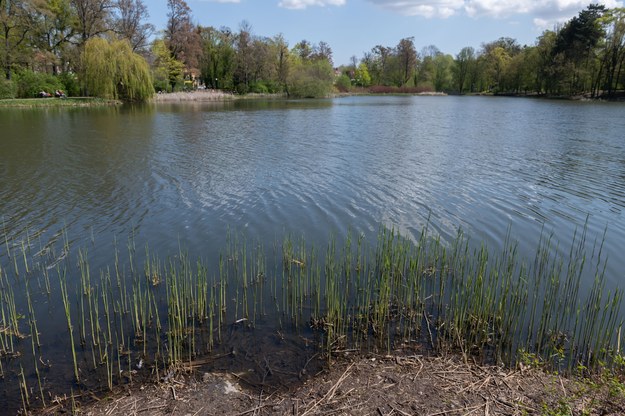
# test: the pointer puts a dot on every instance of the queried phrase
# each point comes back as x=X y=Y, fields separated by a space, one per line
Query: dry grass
x=203 y=95
x=403 y=384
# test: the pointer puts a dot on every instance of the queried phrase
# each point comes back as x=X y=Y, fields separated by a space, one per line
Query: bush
x=30 y=83
x=259 y=88
x=71 y=84
x=8 y=89
x=313 y=79
x=343 y=83
x=162 y=85
x=241 y=89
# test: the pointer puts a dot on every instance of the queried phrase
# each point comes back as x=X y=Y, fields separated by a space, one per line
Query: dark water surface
x=181 y=175
x=185 y=173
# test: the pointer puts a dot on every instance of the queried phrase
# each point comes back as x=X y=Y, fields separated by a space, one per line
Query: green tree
x=442 y=79
x=576 y=43
x=343 y=83
x=361 y=76
x=16 y=22
x=55 y=29
x=495 y=62
x=463 y=64
x=612 y=52
x=309 y=78
x=113 y=70
x=545 y=68
x=218 y=57
x=426 y=68
x=167 y=72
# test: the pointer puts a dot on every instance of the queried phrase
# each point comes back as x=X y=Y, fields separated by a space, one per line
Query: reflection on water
x=185 y=173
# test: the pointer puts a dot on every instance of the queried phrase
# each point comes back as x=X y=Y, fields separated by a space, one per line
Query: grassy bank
x=56 y=102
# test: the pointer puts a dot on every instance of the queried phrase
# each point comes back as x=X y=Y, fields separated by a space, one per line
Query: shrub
x=188 y=85
x=312 y=79
x=162 y=85
x=259 y=88
x=30 y=83
x=71 y=84
x=8 y=89
x=343 y=83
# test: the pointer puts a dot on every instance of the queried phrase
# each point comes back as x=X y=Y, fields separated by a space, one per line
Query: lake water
x=182 y=174
x=177 y=175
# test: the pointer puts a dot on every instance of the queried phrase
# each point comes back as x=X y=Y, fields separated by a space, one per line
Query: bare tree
x=129 y=23
x=407 y=55
x=181 y=35
x=244 y=45
x=93 y=17
x=323 y=51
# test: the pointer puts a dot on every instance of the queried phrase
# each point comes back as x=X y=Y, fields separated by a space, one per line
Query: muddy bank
x=406 y=383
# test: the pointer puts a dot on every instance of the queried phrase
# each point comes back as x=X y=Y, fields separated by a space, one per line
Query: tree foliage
x=16 y=23
x=113 y=70
x=585 y=55
x=310 y=77
x=167 y=72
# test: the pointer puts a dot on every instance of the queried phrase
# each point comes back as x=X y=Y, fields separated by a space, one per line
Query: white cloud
x=302 y=4
x=544 y=12
x=429 y=9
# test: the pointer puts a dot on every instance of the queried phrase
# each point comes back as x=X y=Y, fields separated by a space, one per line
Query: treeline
x=107 y=48
x=584 y=56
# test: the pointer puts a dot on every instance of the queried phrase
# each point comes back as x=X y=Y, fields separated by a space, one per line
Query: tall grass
x=351 y=294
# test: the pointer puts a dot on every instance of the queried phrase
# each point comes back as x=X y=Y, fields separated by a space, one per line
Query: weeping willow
x=112 y=70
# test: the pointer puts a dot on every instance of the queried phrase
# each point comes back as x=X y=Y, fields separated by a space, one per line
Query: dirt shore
x=401 y=384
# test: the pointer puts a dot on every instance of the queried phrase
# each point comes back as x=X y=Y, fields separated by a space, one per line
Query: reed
x=456 y=295
x=68 y=316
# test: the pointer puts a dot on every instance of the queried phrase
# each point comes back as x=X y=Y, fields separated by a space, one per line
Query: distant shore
x=56 y=102
x=202 y=95
x=207 y=95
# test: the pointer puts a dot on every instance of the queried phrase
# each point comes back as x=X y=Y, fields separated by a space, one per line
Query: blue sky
x=352 y=27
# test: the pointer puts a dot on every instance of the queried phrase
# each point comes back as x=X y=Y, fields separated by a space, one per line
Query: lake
x=183 y=175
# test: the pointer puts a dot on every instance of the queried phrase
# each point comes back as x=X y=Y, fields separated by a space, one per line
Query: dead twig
x=330 y=392
x=446 y=412
x=257 y=408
